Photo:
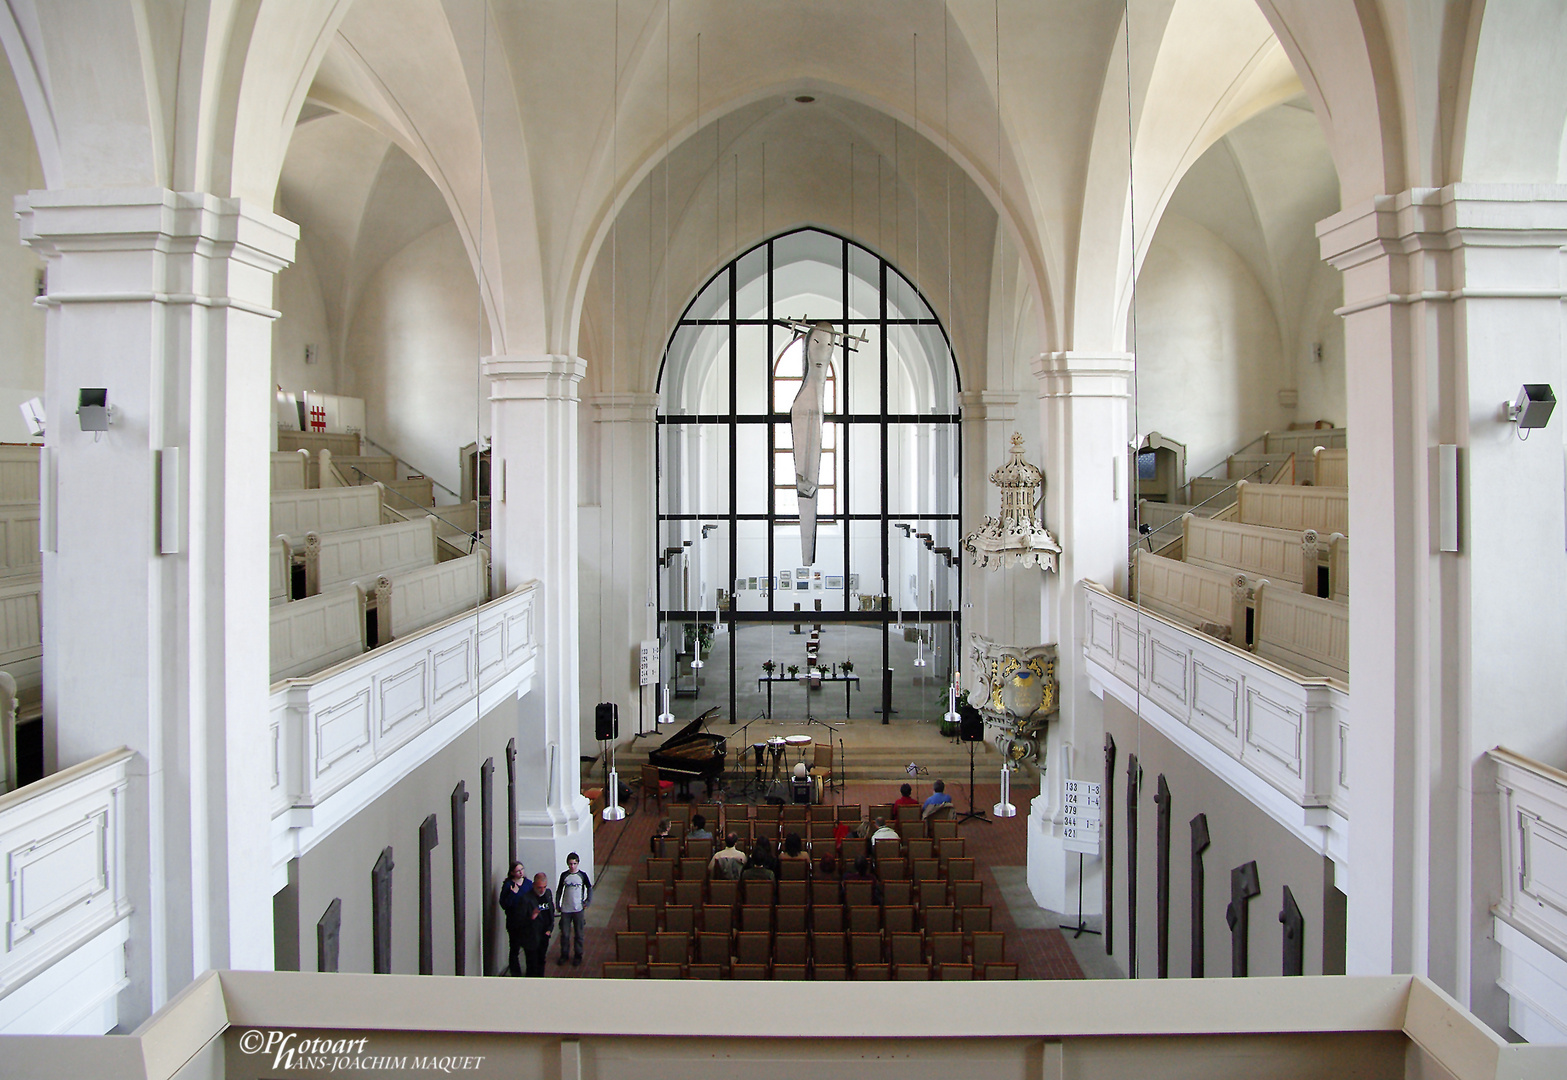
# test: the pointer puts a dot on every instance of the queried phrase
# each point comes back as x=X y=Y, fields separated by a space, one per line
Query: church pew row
x=1263 y=468
x=1332 y=467
x=316 y=441
x=1305 y=441
x=290 y=470
x=1188 y=593
x=280 y=559
x=19 y=539
x=359 y=556
x=1303 y=633
x=21 y=637
x=381 y=468
x=412 y=600
x=295 y=513
x=1288 y=506
x=310 y=635
x=1277 y=554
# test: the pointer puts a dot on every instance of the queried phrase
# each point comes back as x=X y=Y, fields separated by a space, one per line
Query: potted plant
x=769 y=666
x=848 y=667
x=699 y=633
x=793 y=670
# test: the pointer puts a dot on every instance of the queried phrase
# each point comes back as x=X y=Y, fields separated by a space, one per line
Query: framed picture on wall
x=784 y=580
x=835 y=581
x=854 y=583
x=751 y=583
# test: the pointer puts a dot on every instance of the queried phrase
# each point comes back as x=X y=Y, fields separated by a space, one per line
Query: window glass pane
x=808 y=276
x=864 y=284
x=919 y=373
x=713 y=301
x=751 y=284
x=753 y=584
x=864 y=373
x=696 y=371
x=753 y=357
x=922 y=476
x=903 y=302
x=694 y=469
x=751 y=461
x=864 y=451
x=864 y=578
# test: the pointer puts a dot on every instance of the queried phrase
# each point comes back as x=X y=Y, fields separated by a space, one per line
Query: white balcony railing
x=344 y=736
x=1531 y=917
x=1275 y=736
x=62 y=841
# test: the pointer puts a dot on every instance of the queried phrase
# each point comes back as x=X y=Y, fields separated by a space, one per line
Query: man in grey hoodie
x=572 y=897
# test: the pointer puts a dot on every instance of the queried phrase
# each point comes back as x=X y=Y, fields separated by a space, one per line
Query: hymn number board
x=1081 y=817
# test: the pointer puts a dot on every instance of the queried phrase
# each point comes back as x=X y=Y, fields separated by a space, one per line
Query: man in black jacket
x=538 y=918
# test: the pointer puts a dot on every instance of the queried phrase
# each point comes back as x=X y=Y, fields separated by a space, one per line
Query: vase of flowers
x=769 y=666
x=794 y=671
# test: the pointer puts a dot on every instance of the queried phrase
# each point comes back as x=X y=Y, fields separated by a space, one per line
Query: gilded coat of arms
x=1020 y=693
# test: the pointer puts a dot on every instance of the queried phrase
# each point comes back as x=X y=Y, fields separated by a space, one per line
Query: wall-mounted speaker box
x=971 y=725
x=606 y=721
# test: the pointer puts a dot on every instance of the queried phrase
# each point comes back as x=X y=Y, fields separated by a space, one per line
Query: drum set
x=771 y=761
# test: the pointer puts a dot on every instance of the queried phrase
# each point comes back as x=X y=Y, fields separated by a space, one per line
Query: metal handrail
x=409 y=465
x=1198 y=506
x=427 y=510
x=1224 y=461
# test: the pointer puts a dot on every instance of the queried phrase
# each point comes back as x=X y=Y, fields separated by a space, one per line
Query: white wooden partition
x=63 y=846
x=1262 y=468
x=1187 y=593
x=1286 y=506
x=1332 y=468
x=295 y=513
x=19 y=539
x=19 y=474
x=290 y=469
x=378 y=468
x=1338 y=567
x=359 y=556
x=1304 y=441
x=279 y=571
x=1303 y=633
x=1251 y=549
x=316 y=441
x=21 y=636
x=313 y=634
x=1530 y=920
x=413 y=600
x=1203 y=488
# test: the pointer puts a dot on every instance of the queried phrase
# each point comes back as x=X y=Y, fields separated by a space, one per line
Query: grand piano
x=691 y=753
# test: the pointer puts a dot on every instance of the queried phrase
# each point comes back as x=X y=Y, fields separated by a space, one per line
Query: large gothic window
x=883 y=586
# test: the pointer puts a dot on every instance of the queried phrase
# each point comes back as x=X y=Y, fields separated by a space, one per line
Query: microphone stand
x=972 y=814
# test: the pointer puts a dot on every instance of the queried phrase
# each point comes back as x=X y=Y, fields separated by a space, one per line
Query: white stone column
x=533 y=426
x=1082 y=419
x=623 y=551
x=157 y=639
x=1452 y=299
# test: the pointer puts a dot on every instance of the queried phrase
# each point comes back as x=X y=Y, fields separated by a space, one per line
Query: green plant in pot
x=794 y=671
x=702 y=633
x=848 y=667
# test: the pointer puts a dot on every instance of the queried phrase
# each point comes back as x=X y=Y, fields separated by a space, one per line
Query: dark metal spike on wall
x=428 y=840
x=511 y=803
x=1294 y=962
x=460 y=878
x=487 y=865
x=381 y=914
x=1162 y=875
x=1200 y=843
x=1108 y=804
x=1134 y=784
x=328 y=932
x=1243 y=886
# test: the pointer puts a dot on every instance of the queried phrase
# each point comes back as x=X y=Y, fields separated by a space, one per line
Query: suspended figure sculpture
x=805 y=423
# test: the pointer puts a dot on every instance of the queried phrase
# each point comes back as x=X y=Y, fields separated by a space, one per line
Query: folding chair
x=718 y=918
x=748 y=971
x=939 y=920
x=790 y=949
x=974 y=918
x=789 y=919
x=956 y=972
x=789 y=972
x=642 y=918
x=753 y=948
x=613 y=969
x=898 y=920
x=826 y=919
x=945 y=948
x=680 y=919
x=713 y=949
x=872 y=973
x=756 y=919
x=688 y=891
x=704 y=971
x=989 y=948
x=828 y=950
x=1000 y=971
x=864 y=949
x=968 y=893
x=907 y=949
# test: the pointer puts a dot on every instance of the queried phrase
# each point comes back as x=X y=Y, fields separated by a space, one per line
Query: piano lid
x=690 y=731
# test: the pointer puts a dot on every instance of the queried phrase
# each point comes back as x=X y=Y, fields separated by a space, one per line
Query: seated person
x=862 y=872
x=938 y=799
x=761 y=865
x=656 y=843
x=793 y=849
x=883 y=832
x=728 y=861
x=828 y=867
x=905 y=798
x=699 y=829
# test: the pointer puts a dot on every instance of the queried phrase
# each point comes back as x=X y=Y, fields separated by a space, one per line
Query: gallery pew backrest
x=414 y=599
x=359 y=556
x=295 y=513
x=311 y=635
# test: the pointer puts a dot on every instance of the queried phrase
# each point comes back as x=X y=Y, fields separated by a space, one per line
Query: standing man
x=513 y=891
x=572 y=897
x=538 y=915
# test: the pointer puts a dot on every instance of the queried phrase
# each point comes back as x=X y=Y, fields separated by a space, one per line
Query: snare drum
x=775 y=747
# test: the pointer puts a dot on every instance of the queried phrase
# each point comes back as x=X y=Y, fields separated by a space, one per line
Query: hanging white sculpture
x=1017 y=536
x=805 y=424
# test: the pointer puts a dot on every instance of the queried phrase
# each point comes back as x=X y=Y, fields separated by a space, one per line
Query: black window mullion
x=886 y=527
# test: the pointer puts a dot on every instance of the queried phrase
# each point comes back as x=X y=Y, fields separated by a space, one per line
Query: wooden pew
x=280 y=572
x=412 y=600
x=1190 y=594
x=290 y=470
x=313 y=634
x=1287 y=506
x=1231 y=546
x=359 y=556
x=1332 y=467
x=1302 y=442
x=378 y=469
x=316 y=441
x=19 y=540
x=1304 y=633
x=21 y=638
x=1262 y=468
x=19 y=474
x=295 y=513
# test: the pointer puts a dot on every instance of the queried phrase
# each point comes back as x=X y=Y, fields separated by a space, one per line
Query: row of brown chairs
x=800 y=972
x=829 y=950
x=679 y=849
x=888 y=867
x=821 y=919
x=855 y=892
x=771 y=820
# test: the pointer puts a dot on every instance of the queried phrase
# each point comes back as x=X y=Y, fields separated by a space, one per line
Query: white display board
x=647 y=663
x=1081 y=816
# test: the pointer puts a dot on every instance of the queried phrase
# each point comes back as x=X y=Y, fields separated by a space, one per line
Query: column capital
x=534 y=376
x=989 y=404
x=629 y=407
x=1444 y=219
x=1084 y=375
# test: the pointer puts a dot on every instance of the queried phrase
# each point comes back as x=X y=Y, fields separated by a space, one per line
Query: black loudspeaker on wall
x=971 y=725
x=606 y=721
